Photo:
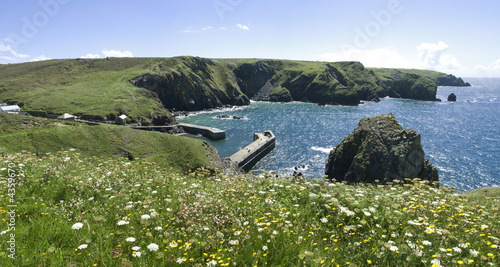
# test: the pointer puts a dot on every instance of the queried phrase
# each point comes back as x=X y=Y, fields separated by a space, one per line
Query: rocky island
x=379 y=150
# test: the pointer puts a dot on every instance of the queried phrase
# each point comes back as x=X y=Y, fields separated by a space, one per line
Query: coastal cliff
x=192 y=85
x=197 y=83
x=413 y=86
x=147 y=89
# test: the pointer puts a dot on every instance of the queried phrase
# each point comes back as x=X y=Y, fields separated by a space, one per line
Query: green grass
x=390 y=74
x=40 y=136
x=140 y=214
x=95 y=88
x=11 y=123
x=482 y=195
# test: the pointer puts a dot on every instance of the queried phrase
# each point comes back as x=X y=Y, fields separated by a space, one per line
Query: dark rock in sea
x=379 y=149
x=230 y=117
x=223 y=117
x=374 y=98
x=452 y=97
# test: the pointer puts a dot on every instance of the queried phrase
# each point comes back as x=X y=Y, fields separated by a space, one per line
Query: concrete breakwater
x=209 y=132
x=247 y=157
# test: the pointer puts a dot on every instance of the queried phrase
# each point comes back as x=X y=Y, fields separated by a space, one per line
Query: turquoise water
x=461 y=139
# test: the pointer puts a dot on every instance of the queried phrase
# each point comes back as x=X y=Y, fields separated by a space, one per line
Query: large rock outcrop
x=379 y=149
x=193 y=85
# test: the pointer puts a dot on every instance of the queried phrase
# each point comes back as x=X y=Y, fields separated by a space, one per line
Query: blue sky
x=459 y=37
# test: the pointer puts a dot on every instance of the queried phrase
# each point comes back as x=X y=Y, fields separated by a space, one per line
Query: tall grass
x=75 y=211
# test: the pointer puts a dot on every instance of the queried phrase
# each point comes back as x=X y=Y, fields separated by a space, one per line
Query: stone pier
x=248 y=156
x=209 y=132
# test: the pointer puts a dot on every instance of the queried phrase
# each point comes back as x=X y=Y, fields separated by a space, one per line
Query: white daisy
x=77 y=226
x=130 y=239
x=153 y=247
x=426 y=243
x=83 y=246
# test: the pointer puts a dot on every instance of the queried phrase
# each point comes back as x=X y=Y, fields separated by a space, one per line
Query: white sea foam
x=212 y=111
x=322 y=149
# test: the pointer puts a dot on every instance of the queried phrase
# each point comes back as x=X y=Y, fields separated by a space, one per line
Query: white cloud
x=496 y=65
x=429 y=54
x=381 y=58
x=41 y=58
x=433 y=56
x=91 y=56
x=448 y=62
x=207 y=28
x=243 y=27
x=115 y=53
x=190 y=30
x=8 y=48
x=492 y=70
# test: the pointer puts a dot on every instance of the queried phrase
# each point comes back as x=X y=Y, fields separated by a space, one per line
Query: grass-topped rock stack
x=379 y=150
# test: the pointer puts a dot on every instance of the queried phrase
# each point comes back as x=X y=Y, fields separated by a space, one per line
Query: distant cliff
x=413 y=86
x=198 y=83
x=145 y=89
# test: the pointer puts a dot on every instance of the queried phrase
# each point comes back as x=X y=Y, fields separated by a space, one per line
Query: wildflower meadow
x=66 y=210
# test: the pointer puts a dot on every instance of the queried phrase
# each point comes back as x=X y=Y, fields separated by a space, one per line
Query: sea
x=461 y=139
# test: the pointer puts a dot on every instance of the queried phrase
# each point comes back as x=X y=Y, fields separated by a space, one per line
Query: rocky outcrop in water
x=452 y=97
x=379 y=149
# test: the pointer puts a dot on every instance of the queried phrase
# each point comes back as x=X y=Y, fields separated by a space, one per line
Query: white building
x=10 y=109
x=67 y=117
x=121 y=120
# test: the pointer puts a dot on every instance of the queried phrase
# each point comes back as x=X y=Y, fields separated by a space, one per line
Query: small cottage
x=10 y=109
x=67 y=117
x=121 y=120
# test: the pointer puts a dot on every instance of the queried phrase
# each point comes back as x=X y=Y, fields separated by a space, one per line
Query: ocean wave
x=212 y=111
x=322 y=149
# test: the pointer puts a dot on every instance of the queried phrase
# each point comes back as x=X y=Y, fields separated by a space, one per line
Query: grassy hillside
x=75 y=211
x=11 y=123
x=388 y=75
x=180 y=153
x=101 y=88
x=95 y=88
